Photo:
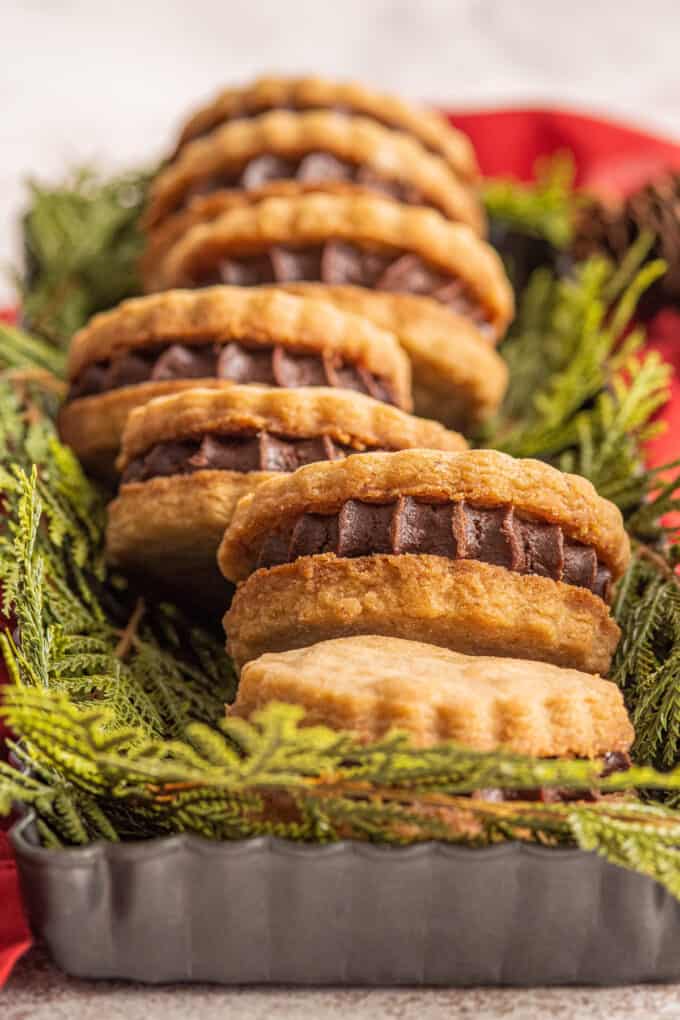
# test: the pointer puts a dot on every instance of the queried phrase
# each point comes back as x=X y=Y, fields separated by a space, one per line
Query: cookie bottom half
x=464 y=605
x=166 y=532
x=483 y=702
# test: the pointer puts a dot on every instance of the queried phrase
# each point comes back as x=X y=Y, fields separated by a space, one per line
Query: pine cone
x=610 y=229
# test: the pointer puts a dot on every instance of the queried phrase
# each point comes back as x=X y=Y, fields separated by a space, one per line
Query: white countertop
x=83 y=81
x=38 y=991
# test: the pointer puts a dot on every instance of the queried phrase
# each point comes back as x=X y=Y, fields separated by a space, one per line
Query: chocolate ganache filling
x=312 y=168
x=340 y=263
x=262 y=451
x=456 y=530
x=614 y=761
x=234 y=361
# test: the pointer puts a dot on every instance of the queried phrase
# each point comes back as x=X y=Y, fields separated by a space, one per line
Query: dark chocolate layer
x=614 y=761
x=338 y=263
x=312 y=168
x=456 y=530
x=238 y=362
x=238 y=452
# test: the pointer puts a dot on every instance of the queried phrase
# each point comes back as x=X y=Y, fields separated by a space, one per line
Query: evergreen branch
x=579 y=397
x=544 y=208
x=119 y=705
x=311 y=783
x=70 y=610
x=82 y=246
x=18 y=349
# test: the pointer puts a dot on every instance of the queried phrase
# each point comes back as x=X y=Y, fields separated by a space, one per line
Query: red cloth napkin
x=15 y=936
x=610 y=157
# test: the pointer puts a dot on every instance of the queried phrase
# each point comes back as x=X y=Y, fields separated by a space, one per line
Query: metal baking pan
x=265 y=911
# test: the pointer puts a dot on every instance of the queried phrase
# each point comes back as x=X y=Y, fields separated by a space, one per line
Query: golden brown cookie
x=164 y=343
x=339 y=239
x=187 y=459
x=371 y=685
x=275 y=92
x=314 y=146
x=475 y=551
x=465 y=605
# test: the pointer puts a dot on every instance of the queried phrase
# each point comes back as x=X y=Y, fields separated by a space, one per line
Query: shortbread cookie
x=278 y=93
x=474 y=551
x=152 y=346
x=188 y=458
x=312 y=147
x=371 y=685
x=341 y=239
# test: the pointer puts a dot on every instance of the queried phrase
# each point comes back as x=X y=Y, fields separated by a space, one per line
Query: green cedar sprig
x=82 y=245
x=81 y=629
x=543 y=208
x=647 y=662
x=580 y=397
x=274 y=776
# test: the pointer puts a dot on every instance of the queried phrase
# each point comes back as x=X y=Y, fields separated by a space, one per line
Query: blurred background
x=106 y=83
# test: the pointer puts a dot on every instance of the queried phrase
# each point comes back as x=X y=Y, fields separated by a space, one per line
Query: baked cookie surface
x=468 y=606
x=162 y=343
x=373 y=684
x=341 y=239
x=202 y=209
x=312 y=93
x=313 y=146
x=187 y=459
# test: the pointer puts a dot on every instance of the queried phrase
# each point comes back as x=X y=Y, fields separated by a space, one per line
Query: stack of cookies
x=364 y=200
x=316 y=270
x=455 y=596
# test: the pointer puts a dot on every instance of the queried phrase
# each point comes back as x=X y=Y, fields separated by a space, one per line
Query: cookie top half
x=371 y=685
x=312 y=93
x=312 y=147
x=242 y=335
x=480 y=504
x=346 y=239
x=344 y=421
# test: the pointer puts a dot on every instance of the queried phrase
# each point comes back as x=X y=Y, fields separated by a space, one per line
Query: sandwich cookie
x=476 y=551
x=346 y=239
x=312 y=147
x=186 y=460
x=156 y=345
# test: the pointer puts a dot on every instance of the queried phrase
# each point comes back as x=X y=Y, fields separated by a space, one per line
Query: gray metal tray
x=264 y=911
